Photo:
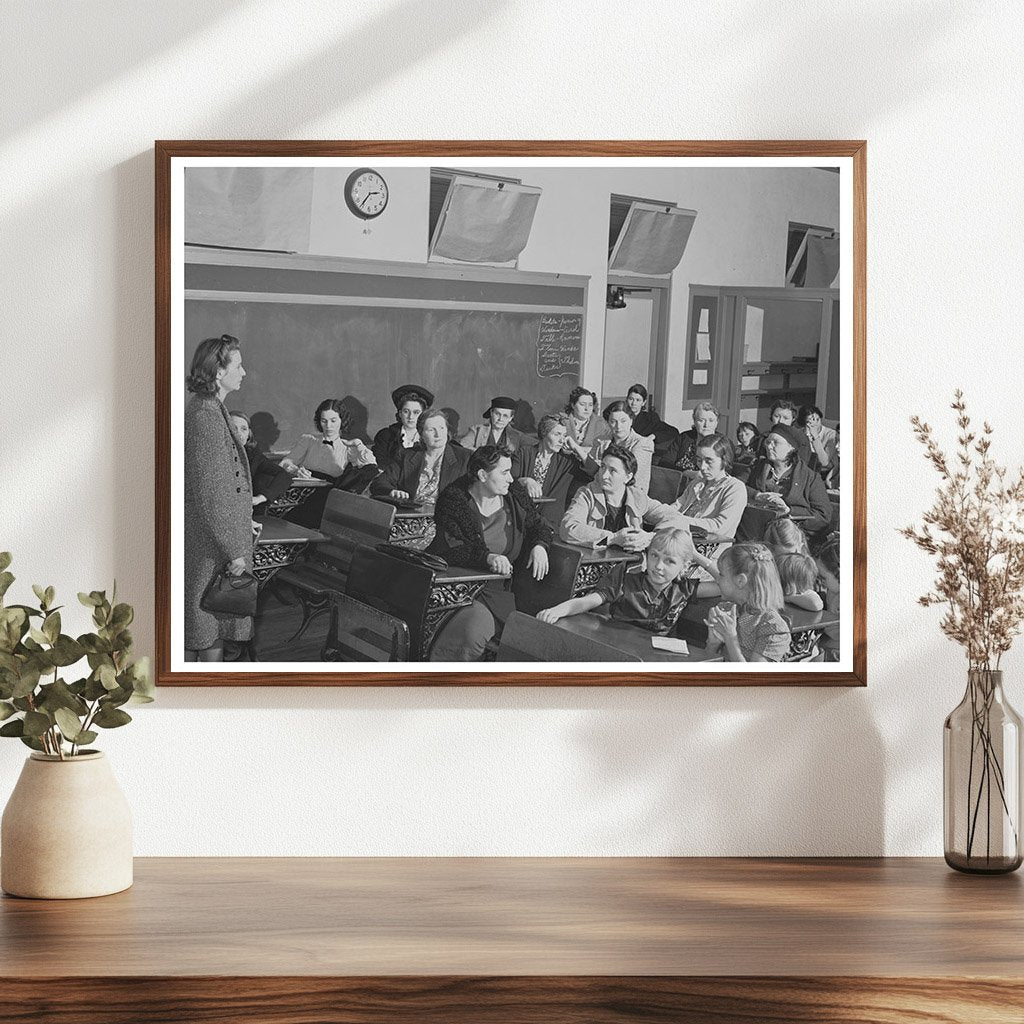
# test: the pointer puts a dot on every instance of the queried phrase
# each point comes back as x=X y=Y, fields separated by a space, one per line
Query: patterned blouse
x=430 y=477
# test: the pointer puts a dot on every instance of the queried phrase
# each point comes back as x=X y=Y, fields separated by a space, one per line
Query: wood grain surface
x=455 y=939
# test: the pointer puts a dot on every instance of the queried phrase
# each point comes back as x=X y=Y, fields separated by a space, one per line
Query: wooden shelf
x=775 y=392
x=279 y=941
x=771 y=368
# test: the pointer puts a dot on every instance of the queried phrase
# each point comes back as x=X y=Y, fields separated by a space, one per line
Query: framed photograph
x=492 y=413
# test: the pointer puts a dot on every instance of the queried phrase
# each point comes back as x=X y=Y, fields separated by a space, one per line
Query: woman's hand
x=400 y=495
x=577 y=449
x=301 y=473
x=499 y=564
x=632 y=538
x=235 y=567
x=538 y=561
x=550 y=615
x=533 y=489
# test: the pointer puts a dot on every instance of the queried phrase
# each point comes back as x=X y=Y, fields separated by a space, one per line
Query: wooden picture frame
x=215 y=272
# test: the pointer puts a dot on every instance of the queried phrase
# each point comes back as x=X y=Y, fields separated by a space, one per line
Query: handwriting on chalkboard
x=559 y=345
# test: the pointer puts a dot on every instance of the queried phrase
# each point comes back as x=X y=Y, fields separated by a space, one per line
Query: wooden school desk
x=510 y=940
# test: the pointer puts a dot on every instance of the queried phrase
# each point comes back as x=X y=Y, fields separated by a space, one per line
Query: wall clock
x=366 y=193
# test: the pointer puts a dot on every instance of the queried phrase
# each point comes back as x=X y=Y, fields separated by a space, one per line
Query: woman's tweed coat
x=218 y=516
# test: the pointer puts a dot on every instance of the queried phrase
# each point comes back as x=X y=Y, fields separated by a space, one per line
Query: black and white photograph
x=511 y=414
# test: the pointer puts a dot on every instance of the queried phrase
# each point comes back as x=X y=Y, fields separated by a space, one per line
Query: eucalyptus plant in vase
x=66 y=831
x=975 y=530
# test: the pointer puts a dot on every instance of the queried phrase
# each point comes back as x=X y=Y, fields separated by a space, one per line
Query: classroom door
x=747 y=347
x=634 y=343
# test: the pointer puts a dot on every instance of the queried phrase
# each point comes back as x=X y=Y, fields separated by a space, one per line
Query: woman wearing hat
x=411 y=401
x=780 y=480
x=497 y=427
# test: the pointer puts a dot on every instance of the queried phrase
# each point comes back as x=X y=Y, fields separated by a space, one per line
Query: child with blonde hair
x=798 y=574
x=653 y=599
x=749 y=623
x=785 y=537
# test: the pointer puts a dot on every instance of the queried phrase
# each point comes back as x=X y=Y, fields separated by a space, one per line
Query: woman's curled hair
x=211 y=355
x=486 y=458
x=576 y=394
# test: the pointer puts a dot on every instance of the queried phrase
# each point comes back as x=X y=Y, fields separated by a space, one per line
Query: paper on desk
x=668 y=643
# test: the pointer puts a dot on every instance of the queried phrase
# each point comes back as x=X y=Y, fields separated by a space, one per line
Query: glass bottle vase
x=981 y=747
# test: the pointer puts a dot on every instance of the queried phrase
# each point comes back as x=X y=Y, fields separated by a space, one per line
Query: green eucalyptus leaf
x=89 y=600
x=31 y=741
x=107 y=676
x=58 y=695
x=27 y=681
x=50 y=595
x=39 y=636
x=69 y=724
x=94 y=689
x=115 y=698
x=122 y=615
x=6 y=710
x=36 y=723
x=23 y=703
x=13 y=624
x=94 y=644
x=67 y=651
x=111 y=718
x=51 y=626
x=142 y=680
x=40 y=593
x=6 y=579
x=86 y=736
x=30 y=645
x=5 y=559
x=15 y=728
x=10 y=663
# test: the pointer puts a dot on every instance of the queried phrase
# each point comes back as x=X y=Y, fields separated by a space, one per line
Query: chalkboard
x=560 y=345
x=296 y=354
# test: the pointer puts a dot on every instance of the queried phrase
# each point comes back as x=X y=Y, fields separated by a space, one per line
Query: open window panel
x=481 y=219
x=647 y=236
x=812 y=256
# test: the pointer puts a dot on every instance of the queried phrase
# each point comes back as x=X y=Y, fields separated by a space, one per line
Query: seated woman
x=713 y=503
x=682 y=454
x=585 y=429
x=497 y=428
x=782 y=482
x=647 y=423
x=421 y=473
x=612 y=511
x=821 y=439
x=747 y=449
x=548 y=471
x=269 y=480
x=784 y=413
x=486 y=521
x=619 y=418
x=327 y=455
x=389 y=442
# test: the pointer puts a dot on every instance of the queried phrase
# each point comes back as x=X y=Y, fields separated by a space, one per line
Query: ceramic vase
x=66 y=831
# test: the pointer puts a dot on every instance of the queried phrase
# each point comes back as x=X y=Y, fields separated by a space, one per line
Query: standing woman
x=218 y=496
x=411 y=400
x=619 y=417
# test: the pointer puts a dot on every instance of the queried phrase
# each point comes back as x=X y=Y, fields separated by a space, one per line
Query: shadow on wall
x=715 y=772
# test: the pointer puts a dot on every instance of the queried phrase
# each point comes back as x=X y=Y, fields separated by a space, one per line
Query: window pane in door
x=627 y=346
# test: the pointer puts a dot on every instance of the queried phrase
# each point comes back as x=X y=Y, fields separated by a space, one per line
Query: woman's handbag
x=230 y=596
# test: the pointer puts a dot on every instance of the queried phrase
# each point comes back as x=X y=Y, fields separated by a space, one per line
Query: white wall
x=87 y=87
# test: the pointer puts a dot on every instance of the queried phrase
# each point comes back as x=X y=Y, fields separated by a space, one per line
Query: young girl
x=653 y=599
x=749 y=623
x=784 y=537
x=798 y=574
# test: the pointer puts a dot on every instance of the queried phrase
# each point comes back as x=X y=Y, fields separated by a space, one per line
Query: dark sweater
x=564 y=477
x=803 y=491
x=460 y=538
x=403 y=472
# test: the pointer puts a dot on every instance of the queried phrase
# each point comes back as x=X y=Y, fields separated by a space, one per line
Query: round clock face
x=366 y=193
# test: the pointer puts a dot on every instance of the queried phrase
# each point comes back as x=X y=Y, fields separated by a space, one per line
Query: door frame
x=657 y=365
